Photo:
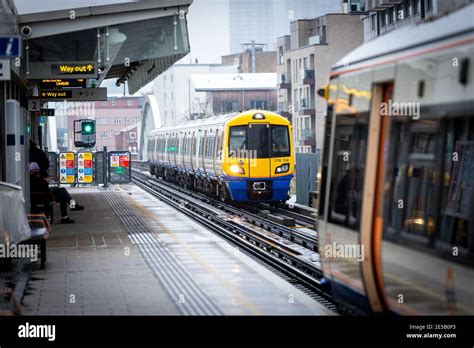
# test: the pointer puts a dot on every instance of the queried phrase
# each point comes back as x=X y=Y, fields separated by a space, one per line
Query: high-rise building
x=265 y=20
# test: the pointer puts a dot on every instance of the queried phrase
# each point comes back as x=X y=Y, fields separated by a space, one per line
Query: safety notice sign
x=119 y=167
x=84 y=168
x=66 y=168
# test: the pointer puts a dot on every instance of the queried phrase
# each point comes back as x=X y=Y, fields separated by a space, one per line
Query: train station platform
x=130 y=254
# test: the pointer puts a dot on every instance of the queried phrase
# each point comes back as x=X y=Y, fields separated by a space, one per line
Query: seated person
x=38 y=184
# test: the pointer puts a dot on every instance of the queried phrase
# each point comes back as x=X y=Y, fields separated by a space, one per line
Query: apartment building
x=304 y=59
x=382 y=16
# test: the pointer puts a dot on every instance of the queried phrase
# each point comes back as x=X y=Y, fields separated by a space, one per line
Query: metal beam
x=60 y=26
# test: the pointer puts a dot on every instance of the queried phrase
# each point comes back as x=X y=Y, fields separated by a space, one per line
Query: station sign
x=34 y=104
x=10 y=46
x=66 y=69
x=60 y=83
x=62 y=70
x=84 y=167
x=74 y=94
x=66 y=168
x=119 y=167
x=5 y=73
x=55 y=94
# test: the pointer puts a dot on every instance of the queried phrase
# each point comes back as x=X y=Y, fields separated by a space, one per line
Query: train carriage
x=242 y=157
x=396 y=212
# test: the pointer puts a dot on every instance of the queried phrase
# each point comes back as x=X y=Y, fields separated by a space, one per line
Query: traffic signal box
x=84 y=133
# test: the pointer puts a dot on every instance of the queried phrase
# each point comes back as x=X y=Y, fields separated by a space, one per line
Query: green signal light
x=87 y=127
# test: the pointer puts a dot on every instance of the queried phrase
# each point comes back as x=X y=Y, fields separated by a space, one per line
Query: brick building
x=253 y=59
x=111 y=117
x=127 y=138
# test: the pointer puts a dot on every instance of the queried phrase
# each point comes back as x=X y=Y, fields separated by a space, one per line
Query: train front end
x=258 y=159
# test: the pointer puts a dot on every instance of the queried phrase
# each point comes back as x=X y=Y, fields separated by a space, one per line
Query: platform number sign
x=66 y=168
x=84 y=168
x=119 y=167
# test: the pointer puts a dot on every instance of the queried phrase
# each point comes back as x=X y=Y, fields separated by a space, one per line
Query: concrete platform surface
x=130 y=254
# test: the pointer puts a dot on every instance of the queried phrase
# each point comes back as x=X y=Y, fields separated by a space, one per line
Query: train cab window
x=259 y=140
x=237 y=140
x=347 y=178
x=280 y=141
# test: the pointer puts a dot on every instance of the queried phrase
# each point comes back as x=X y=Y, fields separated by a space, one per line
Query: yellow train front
x=258 y=157
x=240 y=157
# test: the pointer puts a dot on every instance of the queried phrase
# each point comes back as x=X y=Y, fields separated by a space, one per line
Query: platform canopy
x=130 y=40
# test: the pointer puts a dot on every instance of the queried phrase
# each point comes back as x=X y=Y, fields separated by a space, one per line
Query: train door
x=203 y=151
x=193 y=142
x=372 y=209
x=215 y=152
x=259 y=150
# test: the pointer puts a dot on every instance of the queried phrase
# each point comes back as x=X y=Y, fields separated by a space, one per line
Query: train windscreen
x=260 y=140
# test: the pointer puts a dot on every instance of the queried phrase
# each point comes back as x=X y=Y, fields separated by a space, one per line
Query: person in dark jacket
x=39 y=184
x=38 y=156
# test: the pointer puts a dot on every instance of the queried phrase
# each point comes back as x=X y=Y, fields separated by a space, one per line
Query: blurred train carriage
x=240 y=157
x=398 y=172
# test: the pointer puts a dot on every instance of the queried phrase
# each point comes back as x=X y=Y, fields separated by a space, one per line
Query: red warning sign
x=123 y=161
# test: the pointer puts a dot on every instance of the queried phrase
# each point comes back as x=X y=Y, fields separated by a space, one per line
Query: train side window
x=429 y=182
x=348 y=167
x=219 y=146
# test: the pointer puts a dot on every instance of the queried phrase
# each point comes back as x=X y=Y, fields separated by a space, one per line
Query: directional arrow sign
x=75 y=94
x=63 y=70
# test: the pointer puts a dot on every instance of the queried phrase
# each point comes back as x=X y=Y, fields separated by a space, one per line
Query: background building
x=253 y=59
x=304 y=61
x=234 y=92
x=177 y=100
x=127 y=138
x=265 y=20
x=382 y=16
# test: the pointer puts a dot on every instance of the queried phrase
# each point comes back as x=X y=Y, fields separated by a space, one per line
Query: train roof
x=454 y=24
x=214 y=120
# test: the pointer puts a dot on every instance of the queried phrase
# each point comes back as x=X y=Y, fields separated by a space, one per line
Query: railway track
x=303 y=234
x=292 y=261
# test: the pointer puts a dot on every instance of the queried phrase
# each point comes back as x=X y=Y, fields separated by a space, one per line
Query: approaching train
x=396 y=212
x=241 y=157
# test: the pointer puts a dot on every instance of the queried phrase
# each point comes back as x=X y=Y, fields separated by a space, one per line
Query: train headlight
x=282 y=169
x=236 y=169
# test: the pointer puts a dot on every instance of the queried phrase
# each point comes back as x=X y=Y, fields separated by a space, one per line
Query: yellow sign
x=73 y=69
x=84 y=168
x=67 y=168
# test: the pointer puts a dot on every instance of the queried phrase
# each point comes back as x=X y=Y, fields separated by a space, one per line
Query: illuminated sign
x=74 y=94
x=66 y=168
x=62 y=83
x=62 y=71
x=55 y=94
x=73 y=69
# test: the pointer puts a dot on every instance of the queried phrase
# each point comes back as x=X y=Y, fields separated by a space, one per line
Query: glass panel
x=259 y=140
x=348 y=169
x=280 y=141
x=237 y=140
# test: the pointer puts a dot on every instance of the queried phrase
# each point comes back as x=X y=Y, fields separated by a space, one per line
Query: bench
x=16 y=226
x=40 y=230
x=43 y=202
